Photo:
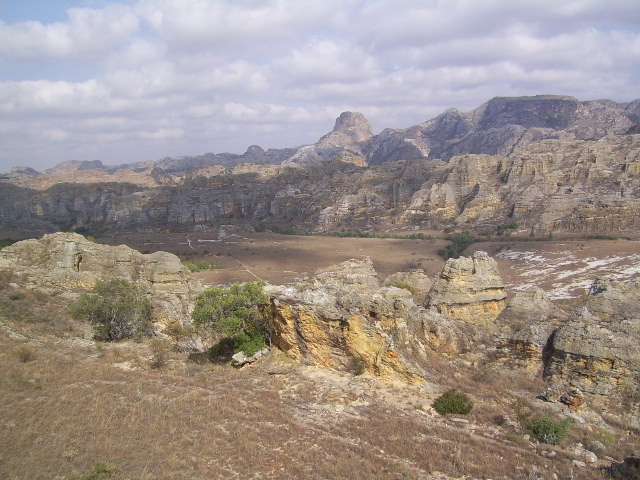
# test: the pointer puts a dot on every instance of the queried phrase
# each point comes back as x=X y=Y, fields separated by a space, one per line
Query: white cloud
x=172 y=77
x=87 y=33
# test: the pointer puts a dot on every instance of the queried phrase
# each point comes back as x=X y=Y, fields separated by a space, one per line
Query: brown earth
x=564 y=267
x=281 y=259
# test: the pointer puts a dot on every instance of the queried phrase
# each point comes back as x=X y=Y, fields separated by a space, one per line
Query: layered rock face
x=469 y=289
x=68 y=263
x=548 y=186
x=526 y=327
x=596 y=351
x=341 y=316
x=547 y=163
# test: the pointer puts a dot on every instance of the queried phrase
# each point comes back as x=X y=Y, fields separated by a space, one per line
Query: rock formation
x=526 y=327
x=341 y=316
x=344 y=142
x=469 y=289
x=69 y=264
x=545 y=163
x=596 y=351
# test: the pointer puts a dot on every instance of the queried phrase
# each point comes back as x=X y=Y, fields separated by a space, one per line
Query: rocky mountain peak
x=355 y=125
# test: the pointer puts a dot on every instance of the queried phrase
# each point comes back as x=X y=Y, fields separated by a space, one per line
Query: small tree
x=233 y=312
x=118 y=309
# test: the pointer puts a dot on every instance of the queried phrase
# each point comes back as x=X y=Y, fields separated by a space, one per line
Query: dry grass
x=145 y=412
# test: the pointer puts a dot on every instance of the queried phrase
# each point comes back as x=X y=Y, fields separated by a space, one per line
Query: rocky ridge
x=545 y=163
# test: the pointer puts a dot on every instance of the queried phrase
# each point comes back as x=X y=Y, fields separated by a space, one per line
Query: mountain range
x=539 y=164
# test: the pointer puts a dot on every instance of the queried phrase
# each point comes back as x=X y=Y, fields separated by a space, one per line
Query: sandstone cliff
x=545 y=163
x=68 y=264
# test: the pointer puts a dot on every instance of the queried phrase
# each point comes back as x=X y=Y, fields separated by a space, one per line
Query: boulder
x=526 y=325
x=596 y=351
x=469 y=289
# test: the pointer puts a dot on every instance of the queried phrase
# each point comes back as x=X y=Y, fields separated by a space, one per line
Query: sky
x=130 y=81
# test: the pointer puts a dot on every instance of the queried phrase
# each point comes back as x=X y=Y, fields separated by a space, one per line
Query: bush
x=356 y=366
x=159 y=352
x=117 y=308
x=26 y=354
x=404 y=284
x=459 y=242
x=453 y=401
x=200 y=266
x=99 y=471
x=547 y=430
x=234 y=313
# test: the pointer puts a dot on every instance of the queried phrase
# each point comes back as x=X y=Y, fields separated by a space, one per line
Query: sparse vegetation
x=356 y=366
x=459 y=242
x=117 y=308
x=99 y=471
x=404 y=284
x=453 y=401
x=26 y=354
x=360 y=234
x=199 y=266
x=503 y=227
x=5 y=242
x=233 y=312
x=159 y=351
x=548 y=430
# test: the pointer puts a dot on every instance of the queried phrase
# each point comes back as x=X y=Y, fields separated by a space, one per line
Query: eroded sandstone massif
x=545 y=163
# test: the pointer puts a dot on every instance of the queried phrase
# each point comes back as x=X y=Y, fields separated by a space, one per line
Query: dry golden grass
x=76 y=404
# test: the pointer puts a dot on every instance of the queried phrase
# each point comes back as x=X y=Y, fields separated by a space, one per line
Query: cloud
x=87 y=33
x=167 y=77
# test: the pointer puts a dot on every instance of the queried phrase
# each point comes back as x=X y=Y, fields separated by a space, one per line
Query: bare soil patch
x=564 y=268
x=281 y=259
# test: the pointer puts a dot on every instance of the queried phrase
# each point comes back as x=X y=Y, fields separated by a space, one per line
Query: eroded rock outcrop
x=596 y=351
x=469 y=289
x=526 y=325
x=336 y=317
x=69 y=264
x=342 y=315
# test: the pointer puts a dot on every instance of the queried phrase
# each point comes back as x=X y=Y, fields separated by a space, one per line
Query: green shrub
x=459 y=242
x=5 y=242
x=234 y=313
x=200 y=266
x=356 y=366
x=547 y=430
x=99 y=471
x=117 y=308
x=453 y=401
